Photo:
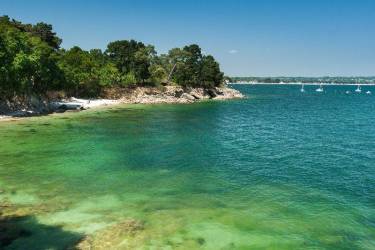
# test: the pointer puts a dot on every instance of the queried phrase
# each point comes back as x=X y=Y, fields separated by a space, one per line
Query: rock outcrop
x=142 y=95
x=112 y=237
x=178 y=94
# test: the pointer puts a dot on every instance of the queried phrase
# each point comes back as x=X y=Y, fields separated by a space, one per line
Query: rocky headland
x=35 y=106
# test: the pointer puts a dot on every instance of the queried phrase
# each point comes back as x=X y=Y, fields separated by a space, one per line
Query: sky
x=248 y=38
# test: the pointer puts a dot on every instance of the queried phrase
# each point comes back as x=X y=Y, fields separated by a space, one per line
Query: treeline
x=32 y=62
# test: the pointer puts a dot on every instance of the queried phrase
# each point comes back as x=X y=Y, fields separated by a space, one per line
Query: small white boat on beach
x=320 y=89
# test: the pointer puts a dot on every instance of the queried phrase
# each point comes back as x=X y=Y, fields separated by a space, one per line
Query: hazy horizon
x=298 y=76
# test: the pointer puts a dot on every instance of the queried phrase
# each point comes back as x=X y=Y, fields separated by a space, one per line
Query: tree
x=158 y=74
x=211 y=76
x=79 y=68
x=45 y=33
x=32 y=62
x=176 y=66
x=142 y=62
x=193 y=63
x=42 y=30
x=28 y=64
x=109 y=75
x=131 y=57
x=191 y=68
x=98 y=57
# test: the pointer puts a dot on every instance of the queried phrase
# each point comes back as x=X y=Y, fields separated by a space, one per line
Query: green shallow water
x=279 y=170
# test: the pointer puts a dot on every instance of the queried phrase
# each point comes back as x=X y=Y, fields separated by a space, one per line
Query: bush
x=128 y=79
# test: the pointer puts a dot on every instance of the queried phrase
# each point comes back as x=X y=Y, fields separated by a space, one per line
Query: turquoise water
x=278 y=170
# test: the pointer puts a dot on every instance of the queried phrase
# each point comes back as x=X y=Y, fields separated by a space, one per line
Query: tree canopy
x=31 y=61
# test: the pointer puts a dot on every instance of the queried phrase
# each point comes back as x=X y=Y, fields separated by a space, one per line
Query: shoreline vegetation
x=38 y=77
x=138 y=95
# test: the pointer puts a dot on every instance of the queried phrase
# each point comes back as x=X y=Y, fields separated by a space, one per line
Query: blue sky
x=258 y=38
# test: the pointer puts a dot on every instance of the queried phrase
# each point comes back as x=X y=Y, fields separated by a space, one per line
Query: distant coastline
x=300 y=83
x=339 y=80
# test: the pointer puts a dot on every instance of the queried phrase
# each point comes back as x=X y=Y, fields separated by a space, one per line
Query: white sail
x=358 y=90
x=320 y=89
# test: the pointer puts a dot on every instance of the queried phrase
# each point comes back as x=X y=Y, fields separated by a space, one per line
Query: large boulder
x=61 y=107
x=211 y=92
x=187 y=97
x=178 y=93
x=197 y=93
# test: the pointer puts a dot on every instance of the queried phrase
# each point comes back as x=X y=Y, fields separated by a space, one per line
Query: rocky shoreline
x=139 y=95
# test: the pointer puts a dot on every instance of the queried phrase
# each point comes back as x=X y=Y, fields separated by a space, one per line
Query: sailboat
x=320 y=89
x=358 y=90
x=303 y=88
x=368 y=92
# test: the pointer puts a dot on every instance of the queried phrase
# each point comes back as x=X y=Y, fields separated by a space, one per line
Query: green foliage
x=99 y=57
x=45 y=33
x=128 y=79
x=194 y=69
x=27 y=63
x=109 y=75
x=228 y=79
x=42 y=30
x=78 y=67
x=131 y=56
x=31 y=62
x=210 y=72
x=158 y=74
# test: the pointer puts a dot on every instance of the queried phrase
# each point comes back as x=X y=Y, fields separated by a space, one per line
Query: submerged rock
x=201 y=241
x=112 y=237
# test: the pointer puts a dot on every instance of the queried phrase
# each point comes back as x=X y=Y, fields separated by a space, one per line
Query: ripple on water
x=278 y=170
